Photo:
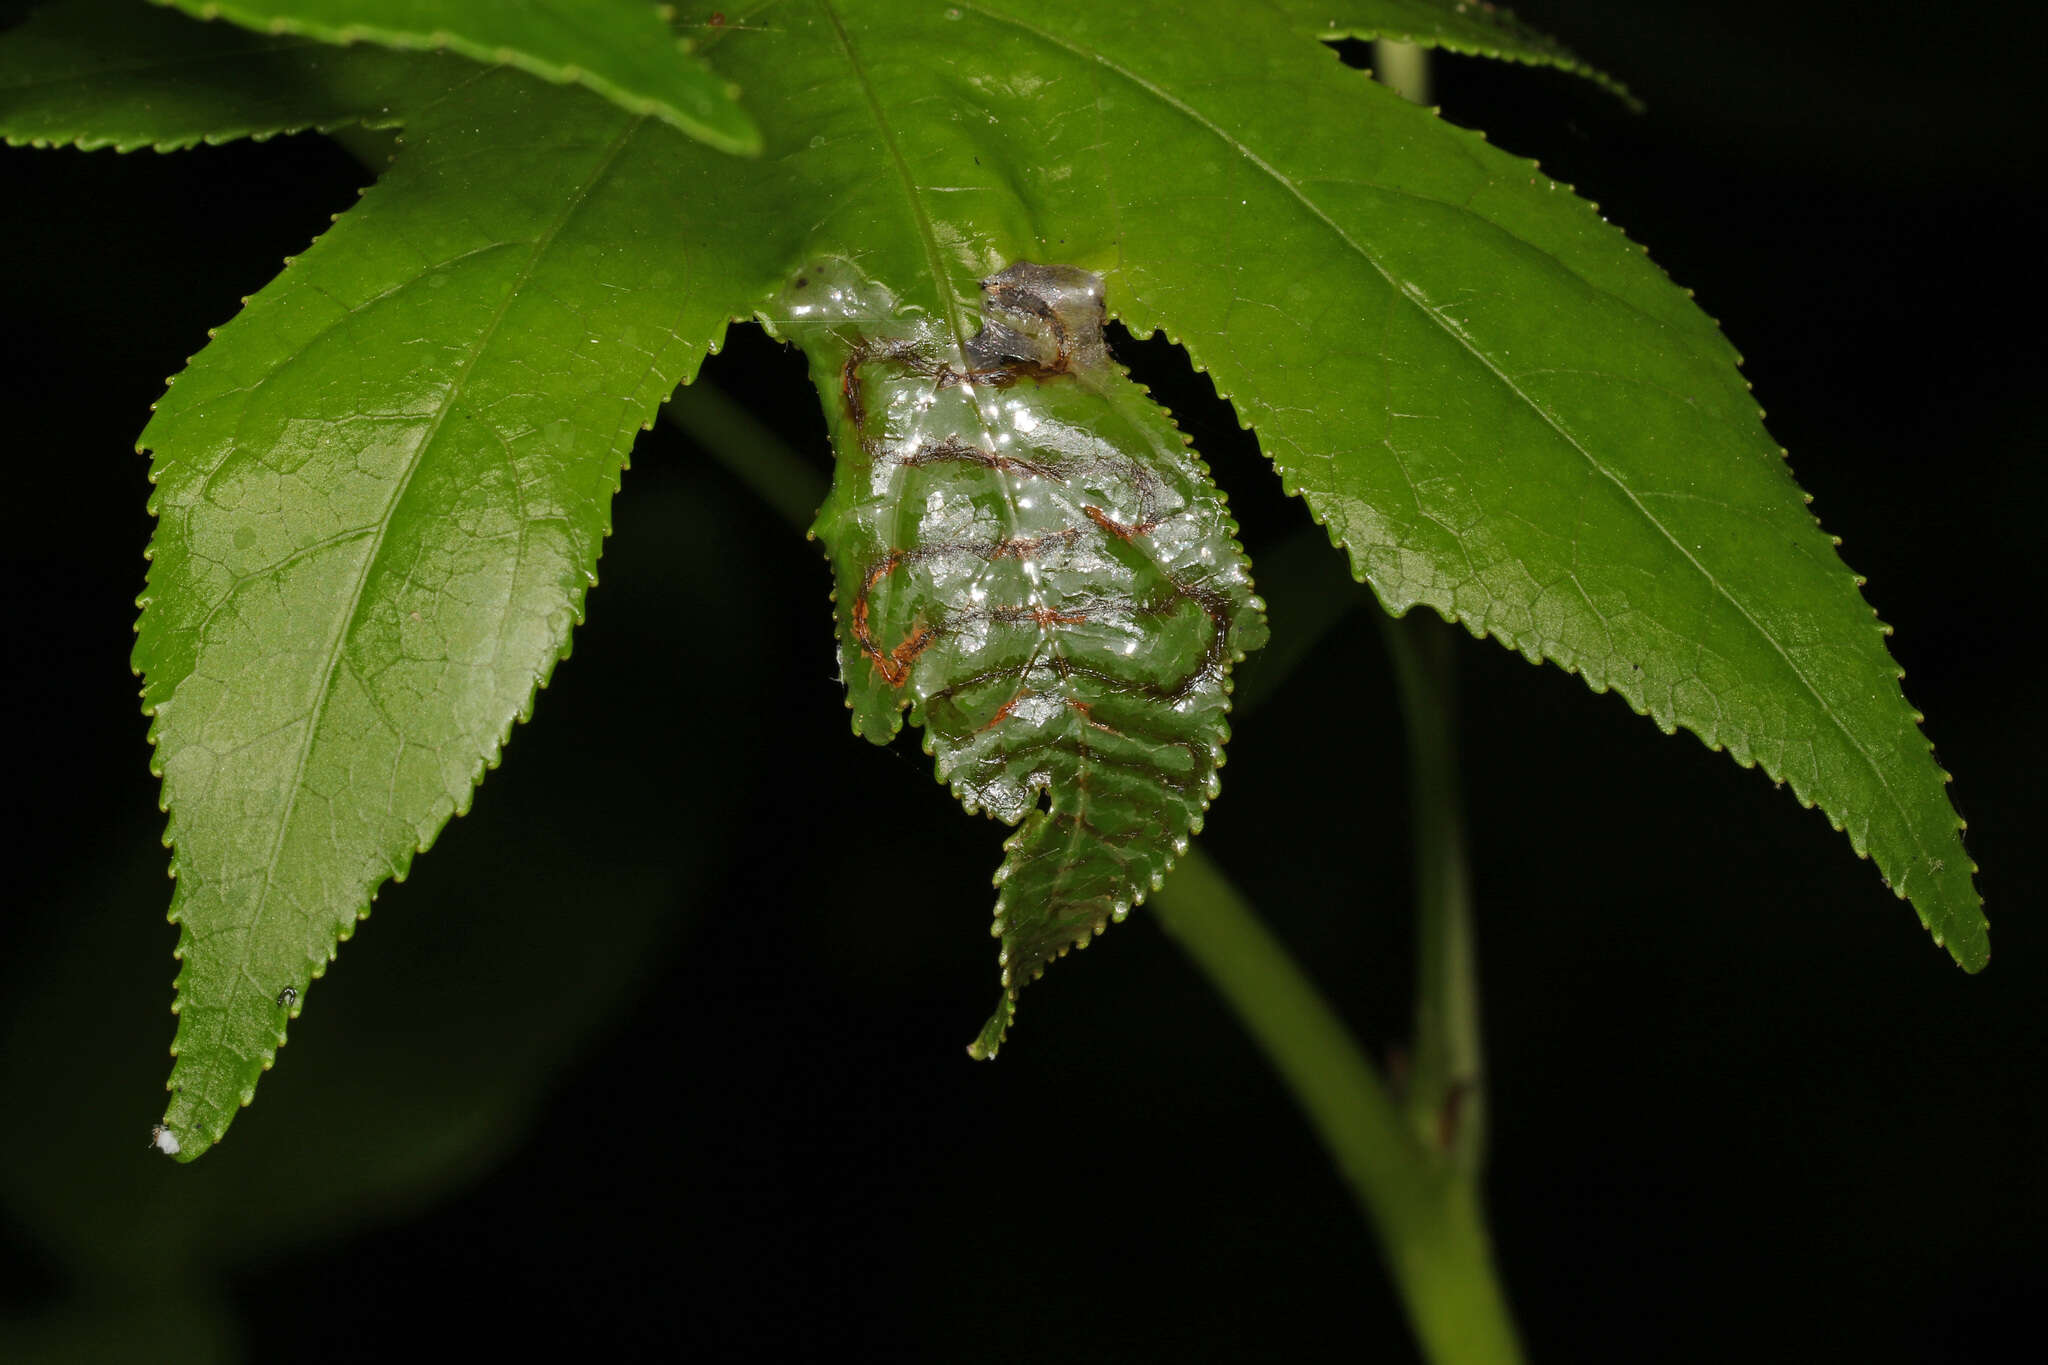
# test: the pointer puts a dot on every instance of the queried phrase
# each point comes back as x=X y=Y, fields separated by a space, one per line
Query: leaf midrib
x=942 y=283
x=905 y=180
x=1458 y=335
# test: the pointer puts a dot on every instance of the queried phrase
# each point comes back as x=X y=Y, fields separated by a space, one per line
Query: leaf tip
x=990 y=1041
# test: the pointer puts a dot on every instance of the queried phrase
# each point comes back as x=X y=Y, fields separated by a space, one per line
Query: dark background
x=635 y=1064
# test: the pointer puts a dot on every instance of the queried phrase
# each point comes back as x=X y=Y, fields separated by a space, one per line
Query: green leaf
x=1495 y=403
x=111 y=73
x=1028 y=556
x=380 y=497
x=622 y=49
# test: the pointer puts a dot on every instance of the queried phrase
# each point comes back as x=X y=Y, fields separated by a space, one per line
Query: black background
x=1740 y=1103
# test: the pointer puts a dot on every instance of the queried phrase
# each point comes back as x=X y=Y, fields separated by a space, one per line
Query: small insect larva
x=288 y=997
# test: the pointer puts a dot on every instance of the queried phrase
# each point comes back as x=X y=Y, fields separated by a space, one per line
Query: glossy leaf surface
x=622 y=49
x=380 y=497
x=1029 y=558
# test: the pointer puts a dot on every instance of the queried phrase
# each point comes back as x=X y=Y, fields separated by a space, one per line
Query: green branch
x=1446 y=1099
x=1426 y=1213
x=1402 y=68
x=748 y=450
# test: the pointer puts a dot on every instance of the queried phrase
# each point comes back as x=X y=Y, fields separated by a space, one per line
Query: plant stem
x=373 y=147
x=760 y=459
x=1306 y=596
x=1402 y=68
x=1445 y=1099
x=1426 y=1213
x=1446 y=1096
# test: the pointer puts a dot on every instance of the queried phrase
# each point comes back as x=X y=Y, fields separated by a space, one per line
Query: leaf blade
x=106 y=73
x=621 y=49
x=1632 y=397
x=381 y=494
